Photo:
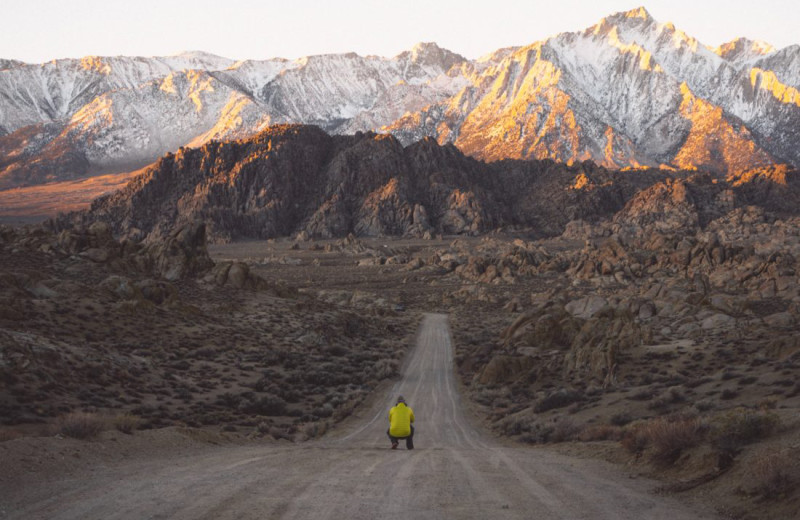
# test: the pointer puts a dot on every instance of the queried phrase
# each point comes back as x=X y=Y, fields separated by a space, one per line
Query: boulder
x=182 y=254
x=718 y=321
x=586 y=307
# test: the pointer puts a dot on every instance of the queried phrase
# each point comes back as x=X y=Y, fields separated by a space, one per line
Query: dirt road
x=454 y=472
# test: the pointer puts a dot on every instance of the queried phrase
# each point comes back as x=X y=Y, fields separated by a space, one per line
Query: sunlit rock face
x=627 y=92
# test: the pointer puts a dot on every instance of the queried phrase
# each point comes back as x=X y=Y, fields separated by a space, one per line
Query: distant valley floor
x=36 y=203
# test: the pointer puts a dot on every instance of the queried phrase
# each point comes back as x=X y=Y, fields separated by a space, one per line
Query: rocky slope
x=299 y=180
x=628 y=91
x=92 y=324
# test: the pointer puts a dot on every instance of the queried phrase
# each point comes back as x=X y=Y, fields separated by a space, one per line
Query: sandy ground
x=36 y=203
x=456 y=471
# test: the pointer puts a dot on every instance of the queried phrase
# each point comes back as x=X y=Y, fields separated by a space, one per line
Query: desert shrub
x=742 y=426
x=315 y=429
x=278 y=433
x=228 y=400
x=620 y=419
x=667 y=436
x=670 y=436
x=634 y=439
x=642 y=395
x=600 y=432
x=127 y=423
x=538 y=434
x=516 y=424
x=672 y=395
x=346 y=408
x=704 y=405
x=269 y=405
x=385 y=368
x=326 y=410
x=558 y=399
x=768 y=403
x=564 y=430
x=262 y=428
x=79 y=425
x=772 y=475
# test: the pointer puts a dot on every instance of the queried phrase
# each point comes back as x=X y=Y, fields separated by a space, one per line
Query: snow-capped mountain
x=628 y=91
x=115 y=113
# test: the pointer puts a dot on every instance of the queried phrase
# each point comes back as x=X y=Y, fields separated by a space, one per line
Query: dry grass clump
x=127 y=423
x=80 y=425
x=773 y=475
x=668 y=437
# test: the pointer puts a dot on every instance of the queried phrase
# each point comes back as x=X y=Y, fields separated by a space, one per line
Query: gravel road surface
x=456 y=471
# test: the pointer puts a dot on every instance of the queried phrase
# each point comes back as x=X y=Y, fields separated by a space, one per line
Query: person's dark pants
x=409 y=439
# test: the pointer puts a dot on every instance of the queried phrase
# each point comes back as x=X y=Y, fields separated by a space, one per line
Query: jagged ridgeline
x=292 y=179
x=628 y=91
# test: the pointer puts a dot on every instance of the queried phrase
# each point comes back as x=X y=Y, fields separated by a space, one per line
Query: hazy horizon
x=40 y=31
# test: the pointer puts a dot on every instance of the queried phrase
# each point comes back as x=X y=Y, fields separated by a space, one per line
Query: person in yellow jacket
x=401 y=419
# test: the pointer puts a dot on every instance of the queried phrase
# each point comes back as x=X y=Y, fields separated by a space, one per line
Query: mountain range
x=628 y=92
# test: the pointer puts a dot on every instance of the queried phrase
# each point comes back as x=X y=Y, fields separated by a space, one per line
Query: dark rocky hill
x=295 y=179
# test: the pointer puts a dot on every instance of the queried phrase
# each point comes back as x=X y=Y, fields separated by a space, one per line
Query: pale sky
x=41 y=30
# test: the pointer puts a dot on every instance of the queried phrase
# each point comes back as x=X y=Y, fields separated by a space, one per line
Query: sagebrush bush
x=385 y=368
x=558 y=399
x=80 y=425
x=269 y=405
x=772 y=475
x=741 y=426
x=564 y=430
x=516 y=424
x=620 y=419
x=127 y=423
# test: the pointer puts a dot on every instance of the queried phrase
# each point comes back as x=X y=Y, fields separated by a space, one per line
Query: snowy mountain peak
x=639 y=12
x=96 y=64
x=430 y=54
x=638 y=17
x=743 y=49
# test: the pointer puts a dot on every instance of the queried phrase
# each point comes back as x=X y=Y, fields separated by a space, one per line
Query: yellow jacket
x=400 y=419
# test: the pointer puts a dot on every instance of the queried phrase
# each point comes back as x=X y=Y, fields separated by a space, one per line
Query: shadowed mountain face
x=627 y=91
x=299 y=179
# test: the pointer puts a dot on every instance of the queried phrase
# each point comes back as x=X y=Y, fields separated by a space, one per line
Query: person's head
x=401 y=400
